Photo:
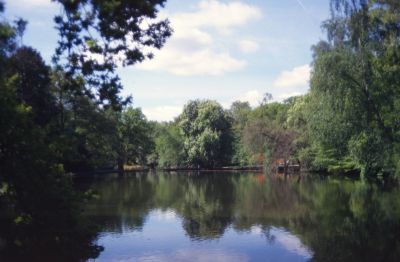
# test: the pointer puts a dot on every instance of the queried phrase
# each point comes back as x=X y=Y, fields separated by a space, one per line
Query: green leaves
x=98 y=36
x=206 y=129
x=354 y=91
x=135 y=136
x=4 y=189
x=169 y=146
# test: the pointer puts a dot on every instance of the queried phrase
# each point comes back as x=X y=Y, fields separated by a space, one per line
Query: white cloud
x=254 y=97
x=299 y=76
x=284 y=96
x=199 y=62
x=196 y=47
x=217 y=15
x=162 y=113
x=248 y=47
x=31 y=3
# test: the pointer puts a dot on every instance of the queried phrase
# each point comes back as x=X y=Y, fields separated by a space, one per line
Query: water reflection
x=47 y=243
x=244 y=217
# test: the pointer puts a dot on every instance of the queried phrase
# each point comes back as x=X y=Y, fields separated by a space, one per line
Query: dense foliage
x=67 y=118
x=354 y=98
x=206 y=134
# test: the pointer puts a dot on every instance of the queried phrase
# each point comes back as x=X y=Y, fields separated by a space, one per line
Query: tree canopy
x=206 y=130
x=354 y=85
x=97 y=36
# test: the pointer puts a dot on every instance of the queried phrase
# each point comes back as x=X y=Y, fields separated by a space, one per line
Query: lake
x=243 y=217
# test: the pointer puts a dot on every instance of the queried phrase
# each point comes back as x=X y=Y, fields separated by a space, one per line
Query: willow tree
x=207 y=134
x=355 y=85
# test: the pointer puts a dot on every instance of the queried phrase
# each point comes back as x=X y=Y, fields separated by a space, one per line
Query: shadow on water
x=41 y=245
x=54 y=230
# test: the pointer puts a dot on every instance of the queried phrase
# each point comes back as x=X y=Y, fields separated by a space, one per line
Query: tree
x=206 y=129
x=36 y=194
x=169 y=146
x=276 y=142
x=35 y=191
x=8 y=41
x=355 y=83
x=97 y=36
x=33 y=83
x=86 y=141
x=135 y=138
x=267 y=136
x=240 y=112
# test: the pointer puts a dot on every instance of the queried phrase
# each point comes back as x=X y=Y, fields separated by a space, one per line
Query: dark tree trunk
x=121 y=162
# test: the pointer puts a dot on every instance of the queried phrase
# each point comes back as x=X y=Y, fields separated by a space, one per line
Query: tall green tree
x=240 y=113
x=169 y=146
x=36 y=195
x=207 y=133
x=355 y=83
x=135 y=140
x=33 y=83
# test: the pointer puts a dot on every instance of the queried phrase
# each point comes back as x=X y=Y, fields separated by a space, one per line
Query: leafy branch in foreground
x=97 y=36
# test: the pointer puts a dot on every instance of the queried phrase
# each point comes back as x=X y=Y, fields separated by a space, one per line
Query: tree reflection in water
x=48 y=243
x=336 y=219
x=328 y=219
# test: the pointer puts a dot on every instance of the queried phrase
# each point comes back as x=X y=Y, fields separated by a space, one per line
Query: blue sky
x=222 y=50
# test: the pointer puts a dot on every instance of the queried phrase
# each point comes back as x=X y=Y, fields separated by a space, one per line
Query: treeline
x=205 y=135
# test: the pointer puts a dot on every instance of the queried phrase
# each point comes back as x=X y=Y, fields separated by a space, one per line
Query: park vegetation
x=347 y=122
x=69 y=117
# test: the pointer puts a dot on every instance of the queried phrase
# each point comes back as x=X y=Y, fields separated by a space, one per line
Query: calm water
x=244 y=217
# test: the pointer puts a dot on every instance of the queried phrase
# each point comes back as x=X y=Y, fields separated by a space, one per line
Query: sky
x=225 y=50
